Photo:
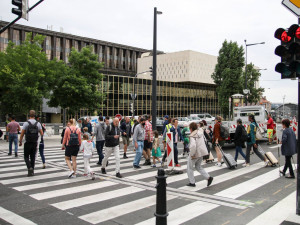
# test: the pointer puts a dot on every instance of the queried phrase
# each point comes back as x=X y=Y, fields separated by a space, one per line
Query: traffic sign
x=293 y=6
x=246 y=91
x=119 y=116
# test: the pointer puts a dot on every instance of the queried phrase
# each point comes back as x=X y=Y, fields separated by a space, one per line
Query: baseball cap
x=166 y=116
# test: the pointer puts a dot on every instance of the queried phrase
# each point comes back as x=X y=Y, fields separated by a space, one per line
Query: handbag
x=259 y=133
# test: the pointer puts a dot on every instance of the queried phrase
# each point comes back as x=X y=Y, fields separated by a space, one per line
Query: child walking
x=87 y=149
x=156 y=152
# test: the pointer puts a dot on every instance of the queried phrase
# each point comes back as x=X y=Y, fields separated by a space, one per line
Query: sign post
x=170 y=151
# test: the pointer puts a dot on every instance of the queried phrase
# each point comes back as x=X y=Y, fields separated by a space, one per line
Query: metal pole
x=133 y=114
x=64 y=117
x=283 y=107
x=246 y=74
x=161 y=198
x=298 y=157
x=154 y=72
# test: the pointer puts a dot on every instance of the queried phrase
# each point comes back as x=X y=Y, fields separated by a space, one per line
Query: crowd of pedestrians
x=196 y=138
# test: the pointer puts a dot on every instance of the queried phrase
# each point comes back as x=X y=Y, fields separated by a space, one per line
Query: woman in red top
x=217 y=139
x=72 y=147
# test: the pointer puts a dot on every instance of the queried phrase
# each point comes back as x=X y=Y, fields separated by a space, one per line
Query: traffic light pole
x=154 y=83
x=298 y=148
x=19 y=17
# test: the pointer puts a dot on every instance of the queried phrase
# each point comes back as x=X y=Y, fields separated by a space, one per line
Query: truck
x=261 y=117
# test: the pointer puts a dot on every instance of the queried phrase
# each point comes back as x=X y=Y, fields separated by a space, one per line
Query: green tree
x=77 y=85
x=252 y=78
x=25 y=76
x=228 y=73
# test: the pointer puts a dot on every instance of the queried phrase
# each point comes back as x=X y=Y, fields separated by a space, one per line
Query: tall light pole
x=133 y=96
x=261 y=43
x=283 y=107
x=154 y=83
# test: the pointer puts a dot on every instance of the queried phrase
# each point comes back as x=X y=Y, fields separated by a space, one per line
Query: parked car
x=182 y=121
x=194 y=119
x=204 y=116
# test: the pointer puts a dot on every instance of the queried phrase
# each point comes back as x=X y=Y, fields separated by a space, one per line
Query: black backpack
x=244 y=135
x=32 y=132
x=73 y=138
x=224 y=131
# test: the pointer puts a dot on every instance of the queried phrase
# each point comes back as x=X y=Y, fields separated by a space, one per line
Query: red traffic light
x=294 y=30
x=282 y=35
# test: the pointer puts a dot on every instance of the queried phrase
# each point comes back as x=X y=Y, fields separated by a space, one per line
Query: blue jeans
x=99 y=147
x=139 y=152
x=238 y=149
x=175 y=154
x=41 y=150
x=13 y=138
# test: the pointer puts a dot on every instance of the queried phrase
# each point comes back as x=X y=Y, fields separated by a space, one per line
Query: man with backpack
x=31 y=128
x=112 y=135
x=240 y=137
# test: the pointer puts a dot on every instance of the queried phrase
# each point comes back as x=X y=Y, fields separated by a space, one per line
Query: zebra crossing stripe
x=97 y=198
x=48 y=184
x=250 y=185
x=14 y=174
x=12 y=168
x=119 y=210
x=72 y=190
x=225 y=177
x=279 y=212
x=185 y=213
x=13 y=218
x=41 y=177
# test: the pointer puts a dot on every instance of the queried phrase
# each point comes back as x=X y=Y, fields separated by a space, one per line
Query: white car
x=182 y=121
x=204 y=116
x=194 y=119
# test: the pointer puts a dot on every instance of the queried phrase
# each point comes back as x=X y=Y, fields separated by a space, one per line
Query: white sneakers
x=246 y=165
x=71 y=174
x=218 y=164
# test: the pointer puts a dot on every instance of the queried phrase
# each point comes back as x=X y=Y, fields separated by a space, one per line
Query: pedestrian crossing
x=132 y=198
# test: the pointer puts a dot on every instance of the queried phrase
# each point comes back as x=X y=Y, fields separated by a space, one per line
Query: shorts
x=72 y=150
x=270 y=133
x=221 y=143
x=125 y=141
x=147 y=145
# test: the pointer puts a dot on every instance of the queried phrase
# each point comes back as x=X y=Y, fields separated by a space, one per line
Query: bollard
x=161 y=198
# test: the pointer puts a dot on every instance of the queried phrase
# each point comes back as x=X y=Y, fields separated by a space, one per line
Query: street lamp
x=133 y=96
x=261 y=43
x=154 y=83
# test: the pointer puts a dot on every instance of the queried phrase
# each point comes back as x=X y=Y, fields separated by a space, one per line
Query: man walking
x=31 y=128
x=126 y=134
x=13 y=129
x=177 y=137
x=270 y=129
x=112 y=135
x=138 y=140
x=100 y=138
x=148 y=140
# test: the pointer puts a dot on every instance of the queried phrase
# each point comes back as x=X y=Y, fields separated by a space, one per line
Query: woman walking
x=288 y=147
x=71 y=142
x=238 y=139
x=217 y=139
x=197 y=151
x=251 y=131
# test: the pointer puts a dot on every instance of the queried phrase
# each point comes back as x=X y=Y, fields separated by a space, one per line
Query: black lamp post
x=261 y=43
x=154 y=83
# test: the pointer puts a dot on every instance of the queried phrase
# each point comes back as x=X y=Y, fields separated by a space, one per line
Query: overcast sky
x=197 y=25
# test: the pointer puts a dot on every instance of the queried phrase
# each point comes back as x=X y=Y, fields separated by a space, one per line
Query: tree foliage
x=26 y=76
x=77 y=86
x=228 y=73
x=252 y=78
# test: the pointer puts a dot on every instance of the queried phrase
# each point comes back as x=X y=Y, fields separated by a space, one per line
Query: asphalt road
x=235 y=196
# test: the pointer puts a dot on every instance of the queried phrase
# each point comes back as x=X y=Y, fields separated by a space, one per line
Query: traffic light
x=22 y=10
x=289 y=51
x=131 y=107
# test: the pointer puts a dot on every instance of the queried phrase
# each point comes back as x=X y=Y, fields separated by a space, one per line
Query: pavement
x=252 y=195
